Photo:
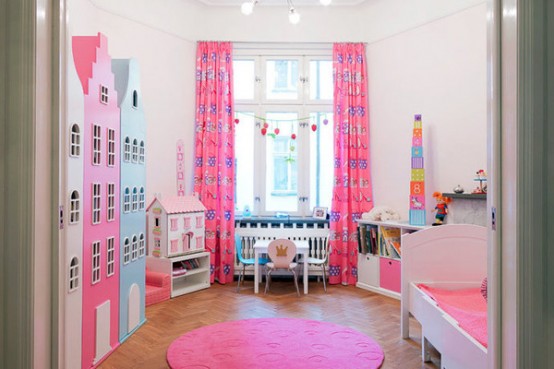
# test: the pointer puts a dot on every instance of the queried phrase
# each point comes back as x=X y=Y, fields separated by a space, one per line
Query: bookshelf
x=380 y=255
x=188 y=273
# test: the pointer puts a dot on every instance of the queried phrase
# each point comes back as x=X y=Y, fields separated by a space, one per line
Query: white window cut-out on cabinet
x=75 y=141
x=96 y=203
x=126 y=200
x=173 y=222
x=126 y=251
x=74 y=207
x=142 y=199
x=111 y=202
x=111 y=147
x=142 y=245
x=95 y=262
x=96 y=144
x=135 y=200
x=110 y=257
x=135 y=99
x=104 y=94
x=134 y=248
x=199 y=223
x=127 y=150
x=141 y=152
x=135 y=148
x=74 y=274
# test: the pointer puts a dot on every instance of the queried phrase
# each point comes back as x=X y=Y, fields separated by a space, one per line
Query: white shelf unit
x=379 y=273
x=193 y=280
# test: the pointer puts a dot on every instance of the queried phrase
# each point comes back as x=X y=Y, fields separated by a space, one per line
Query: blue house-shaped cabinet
x=133 y=192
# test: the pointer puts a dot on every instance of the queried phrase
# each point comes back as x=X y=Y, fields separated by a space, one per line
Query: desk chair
x=244 y=261
x=321 y=261
x=281 y=253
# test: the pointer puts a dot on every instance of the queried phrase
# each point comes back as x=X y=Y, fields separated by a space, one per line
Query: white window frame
x=74 y=272
x=142 y=245
x=110 y=214
x=96 y=144
x=74 y=207
x=104 y=94
x=111 y=147
x=75 y=141
x=142 y=199
x=134 y=200
x=110 y=256
x=127 y=149
x=135 y=151
x=126 y=200
x=303 y=107
x=96 y=254
x=126 y=251
x=134 y=248
x=142 y=152
x=96 y=203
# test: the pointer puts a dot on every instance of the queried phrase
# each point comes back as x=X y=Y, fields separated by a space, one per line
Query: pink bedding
x=466 y=306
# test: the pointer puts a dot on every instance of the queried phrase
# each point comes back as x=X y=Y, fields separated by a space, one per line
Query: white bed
x=450 y=257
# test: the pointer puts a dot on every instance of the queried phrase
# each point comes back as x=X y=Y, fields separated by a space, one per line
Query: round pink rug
x=274 y=343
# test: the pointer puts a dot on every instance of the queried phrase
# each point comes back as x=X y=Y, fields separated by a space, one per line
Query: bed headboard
x=446 y=253
x=451 y=253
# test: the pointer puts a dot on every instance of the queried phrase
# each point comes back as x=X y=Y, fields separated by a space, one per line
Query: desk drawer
x=390 y=274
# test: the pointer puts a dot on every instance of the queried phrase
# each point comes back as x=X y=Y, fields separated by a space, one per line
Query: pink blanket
x=466 y=306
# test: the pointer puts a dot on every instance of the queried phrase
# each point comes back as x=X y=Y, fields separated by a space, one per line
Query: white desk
x=260 y=247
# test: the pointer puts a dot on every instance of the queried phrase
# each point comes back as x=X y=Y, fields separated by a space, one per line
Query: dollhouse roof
x=179 y=204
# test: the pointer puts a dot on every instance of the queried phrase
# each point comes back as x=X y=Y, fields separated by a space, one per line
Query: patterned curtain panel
x=352 y=193
x=214 y=171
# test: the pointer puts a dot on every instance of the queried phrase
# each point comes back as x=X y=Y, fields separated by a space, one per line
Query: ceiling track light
x=247 y=8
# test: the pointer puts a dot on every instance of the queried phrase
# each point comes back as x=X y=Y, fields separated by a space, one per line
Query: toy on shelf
x=417 y=183
x=441 y=207
x=481 y=177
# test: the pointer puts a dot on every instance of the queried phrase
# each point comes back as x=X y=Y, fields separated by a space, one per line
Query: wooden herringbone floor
x=373 y=314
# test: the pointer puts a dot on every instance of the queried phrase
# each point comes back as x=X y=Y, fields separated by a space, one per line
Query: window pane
x=321 y=165
x=244 y=160
x=243 y=77
x=282 y=79
x=282 y=163
x=321 y=80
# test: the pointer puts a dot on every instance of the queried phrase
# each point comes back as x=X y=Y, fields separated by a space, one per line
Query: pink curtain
x=352 y=193
x=214 y=171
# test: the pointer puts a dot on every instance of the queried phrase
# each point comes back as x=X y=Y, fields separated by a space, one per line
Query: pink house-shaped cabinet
x=176 y=226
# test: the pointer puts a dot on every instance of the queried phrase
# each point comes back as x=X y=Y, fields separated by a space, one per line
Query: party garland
x=263 y=123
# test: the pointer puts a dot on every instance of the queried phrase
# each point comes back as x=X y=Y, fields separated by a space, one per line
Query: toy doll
x=441 y=208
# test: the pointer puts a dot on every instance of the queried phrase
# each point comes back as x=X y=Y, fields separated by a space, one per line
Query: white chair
x=281 y=252
x=321 y=261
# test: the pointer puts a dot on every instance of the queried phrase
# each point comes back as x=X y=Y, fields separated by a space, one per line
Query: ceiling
x=279 y=2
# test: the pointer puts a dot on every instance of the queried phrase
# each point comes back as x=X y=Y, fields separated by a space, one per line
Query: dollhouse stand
x=188 y=273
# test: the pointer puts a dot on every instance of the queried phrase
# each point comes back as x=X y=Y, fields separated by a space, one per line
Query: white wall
x=424 y=56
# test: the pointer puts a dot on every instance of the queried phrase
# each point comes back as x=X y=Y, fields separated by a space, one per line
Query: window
x=111 y=202
x=96 y=206
x=126 y=251
x=75 y=141
x=135 y=99
x=74 y=208
x=156 y=222
x=142 y=246
x=142 y=200
x=199 y=221
x=141 y=152
x=174 y=246
x=199 y=242
x=104 y=94
x=186 y=222
x=95 y=262
x=134 y=248
x=173 y=222
x=285 y=108
x=74 y=274
x=110 y=257
x=111 y=147
x=126 y=200
x=96 y=144
x=134 y=157
x=135 y=199
x=127 y=149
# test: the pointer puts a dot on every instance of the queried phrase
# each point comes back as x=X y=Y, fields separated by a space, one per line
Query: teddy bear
x=381 y=213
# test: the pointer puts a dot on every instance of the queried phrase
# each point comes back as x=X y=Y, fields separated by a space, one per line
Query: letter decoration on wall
x=417 y=183
x=180 y=168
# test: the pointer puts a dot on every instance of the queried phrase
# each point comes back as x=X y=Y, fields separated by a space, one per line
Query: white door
x=133 y=315
x=102 y=330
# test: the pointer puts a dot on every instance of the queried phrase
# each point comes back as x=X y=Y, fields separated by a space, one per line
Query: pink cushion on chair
x=158 y=287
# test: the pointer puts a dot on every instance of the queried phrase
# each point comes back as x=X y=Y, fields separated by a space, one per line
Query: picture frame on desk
x=319 y=213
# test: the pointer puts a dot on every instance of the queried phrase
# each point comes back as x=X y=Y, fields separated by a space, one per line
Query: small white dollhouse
x=176 y=226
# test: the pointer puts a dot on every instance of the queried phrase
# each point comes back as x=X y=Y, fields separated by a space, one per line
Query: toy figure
x=441 y=208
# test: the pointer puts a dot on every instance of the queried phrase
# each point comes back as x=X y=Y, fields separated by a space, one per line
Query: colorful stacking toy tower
x=417 y=183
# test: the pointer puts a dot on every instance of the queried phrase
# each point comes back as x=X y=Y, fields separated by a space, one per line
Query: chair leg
x=324 y=277
x=267 y=281
x=295 y=282
x=238 y=282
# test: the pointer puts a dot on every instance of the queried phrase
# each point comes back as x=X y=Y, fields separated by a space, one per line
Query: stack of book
x=389 y=242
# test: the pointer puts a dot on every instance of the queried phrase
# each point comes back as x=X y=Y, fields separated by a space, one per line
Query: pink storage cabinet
x=389 y=274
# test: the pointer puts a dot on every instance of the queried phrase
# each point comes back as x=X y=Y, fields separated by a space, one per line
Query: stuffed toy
x=381 y=213
x=441 y=208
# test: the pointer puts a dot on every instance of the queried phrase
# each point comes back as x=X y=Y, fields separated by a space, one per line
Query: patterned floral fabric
x=352 y=191
x=214 y=171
